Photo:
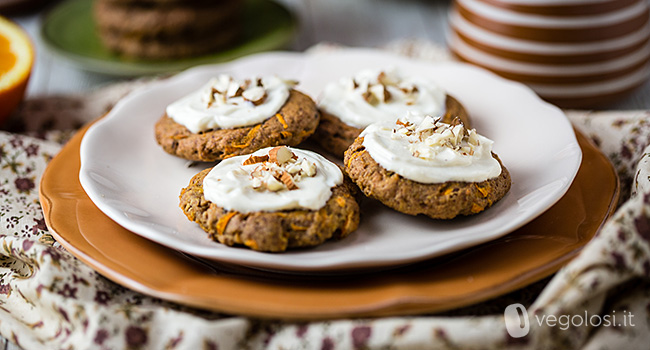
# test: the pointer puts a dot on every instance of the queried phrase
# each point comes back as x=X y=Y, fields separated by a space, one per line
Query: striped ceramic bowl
x=574 y=53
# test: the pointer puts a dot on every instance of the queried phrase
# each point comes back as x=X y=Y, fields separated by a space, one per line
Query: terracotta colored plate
x=477 y=274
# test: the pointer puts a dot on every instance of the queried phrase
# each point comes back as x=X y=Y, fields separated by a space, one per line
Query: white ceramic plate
x=134 y=182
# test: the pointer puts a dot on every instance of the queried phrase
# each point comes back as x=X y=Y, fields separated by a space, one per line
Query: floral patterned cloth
x=50 y=300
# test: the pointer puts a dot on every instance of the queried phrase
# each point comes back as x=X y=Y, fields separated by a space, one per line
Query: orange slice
x=16 y=59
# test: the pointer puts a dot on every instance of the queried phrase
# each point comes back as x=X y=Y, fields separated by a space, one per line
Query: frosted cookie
x=349 y=105
x=274 y=199
x=420 y=165
x=229 y=117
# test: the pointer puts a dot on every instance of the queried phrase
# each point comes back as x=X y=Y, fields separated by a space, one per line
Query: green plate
x=69 y=31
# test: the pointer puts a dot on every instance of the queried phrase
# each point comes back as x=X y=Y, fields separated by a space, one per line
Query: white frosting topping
x=272 y=180
x=425 y=150
x=371 y=96
x=225 y=103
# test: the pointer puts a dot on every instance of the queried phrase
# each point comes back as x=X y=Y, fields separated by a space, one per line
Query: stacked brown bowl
x=573 y=53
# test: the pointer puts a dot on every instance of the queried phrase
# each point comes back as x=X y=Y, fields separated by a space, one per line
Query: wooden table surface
x=349 y=22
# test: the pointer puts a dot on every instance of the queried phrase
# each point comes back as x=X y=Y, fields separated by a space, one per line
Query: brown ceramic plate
x=473 y=275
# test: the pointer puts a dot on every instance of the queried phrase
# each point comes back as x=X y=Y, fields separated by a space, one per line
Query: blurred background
x=368 y=23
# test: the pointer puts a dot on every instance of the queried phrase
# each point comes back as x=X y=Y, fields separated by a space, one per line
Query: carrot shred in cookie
x=285 y=134
x=223 y=222
x=249 y=137
x=251 y=244
x=298 y=228
x=482 y=190
x=281 y=120
x=353 y=155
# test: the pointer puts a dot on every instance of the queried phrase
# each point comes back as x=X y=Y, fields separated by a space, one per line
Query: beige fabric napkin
x=49 y=299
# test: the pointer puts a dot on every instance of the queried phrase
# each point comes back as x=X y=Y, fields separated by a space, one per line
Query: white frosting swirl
x=425 y=150
x=232 y=185
x=361 y=100
x=225 y=103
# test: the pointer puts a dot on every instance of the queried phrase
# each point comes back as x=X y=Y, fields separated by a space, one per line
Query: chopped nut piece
x=256 y=182
x=386 y=79
x=256 y=95
x=274 y=185
x=430 y=136
x=280 y=169
x=308 y=168
x=387 y=95
x=234 y=90
x=385 y=86
x=280 y=155
x=294 y=168
x=207 y=96
x=408 y=88
x=255 y=159
x=473 y=138
x=350 y=84
x=225 y=90
x=287 y=180
x=221 y=84
x=377 y=93
x=370 y=98
x=381 y=78
x=246 y=84
x=258 y=171
x=218 y=99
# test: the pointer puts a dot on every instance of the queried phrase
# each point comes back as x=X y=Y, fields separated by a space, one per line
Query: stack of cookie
x=167 y=29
